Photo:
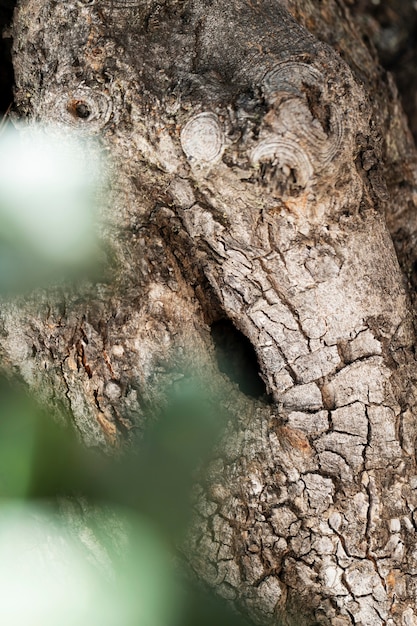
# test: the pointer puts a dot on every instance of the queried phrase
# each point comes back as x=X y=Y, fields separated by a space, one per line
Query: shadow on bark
x=236 y=357
x=6 y=66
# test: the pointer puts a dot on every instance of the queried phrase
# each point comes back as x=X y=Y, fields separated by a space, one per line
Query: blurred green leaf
x=17 y=442
x=203 y=608
x=49 y=193
x=39 y=459
x=50 y=183
x=179 y=441
x=49 y=575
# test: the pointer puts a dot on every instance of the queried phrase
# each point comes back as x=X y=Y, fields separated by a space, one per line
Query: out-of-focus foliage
x=180 y=438
x=87 y=540
x=49 y=195
x=114 y=565
x=48 y=577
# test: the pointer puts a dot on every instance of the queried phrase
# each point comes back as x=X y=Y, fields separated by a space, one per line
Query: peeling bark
x=262 y=171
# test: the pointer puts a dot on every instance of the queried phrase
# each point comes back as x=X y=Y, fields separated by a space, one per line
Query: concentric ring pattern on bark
x=308 y=83
x=202 y=139
x=85 y=109
x=300 y=137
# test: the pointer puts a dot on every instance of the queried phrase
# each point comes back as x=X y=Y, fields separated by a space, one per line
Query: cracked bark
x=262 y=172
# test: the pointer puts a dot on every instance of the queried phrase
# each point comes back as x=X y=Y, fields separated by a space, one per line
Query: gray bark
x=261 y=170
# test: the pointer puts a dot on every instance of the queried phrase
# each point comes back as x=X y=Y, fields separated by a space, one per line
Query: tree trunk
x=261 y=170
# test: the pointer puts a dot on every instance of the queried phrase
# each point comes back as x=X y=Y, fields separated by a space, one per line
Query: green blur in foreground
x=48 y=576
x=86 y=540
x=50 y=185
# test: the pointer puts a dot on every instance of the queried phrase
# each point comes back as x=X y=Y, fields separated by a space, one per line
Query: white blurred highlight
x=47 y=577
x=49 y=180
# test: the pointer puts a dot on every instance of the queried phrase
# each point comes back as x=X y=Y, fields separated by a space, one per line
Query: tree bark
x=262 y=171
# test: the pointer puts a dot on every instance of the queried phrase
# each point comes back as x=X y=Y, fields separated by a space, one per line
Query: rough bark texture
x=261 y=170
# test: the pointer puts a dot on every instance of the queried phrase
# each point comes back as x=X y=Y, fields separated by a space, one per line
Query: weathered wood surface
x=261 y=169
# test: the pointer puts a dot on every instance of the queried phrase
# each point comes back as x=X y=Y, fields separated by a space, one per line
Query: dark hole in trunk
x=237 y=359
